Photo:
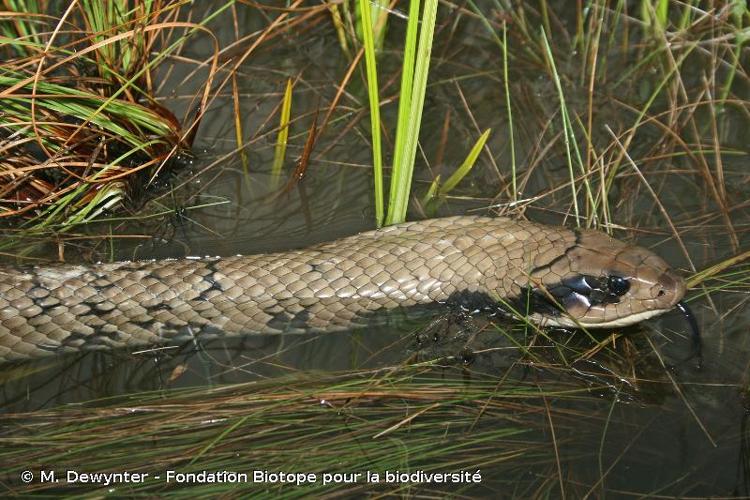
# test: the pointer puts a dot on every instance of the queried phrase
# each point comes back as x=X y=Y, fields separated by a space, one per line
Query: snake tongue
x=694 y=330
x=688 y=315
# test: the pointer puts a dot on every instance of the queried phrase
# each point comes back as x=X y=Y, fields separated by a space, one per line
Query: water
x=663 y=426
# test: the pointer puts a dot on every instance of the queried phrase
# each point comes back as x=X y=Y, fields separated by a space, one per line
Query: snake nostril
x=661 y=293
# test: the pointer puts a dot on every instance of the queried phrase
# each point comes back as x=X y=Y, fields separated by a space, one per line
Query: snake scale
x=552 y=275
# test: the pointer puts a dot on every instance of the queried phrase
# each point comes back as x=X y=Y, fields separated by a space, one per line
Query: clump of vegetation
x=80 y=116
x=395 y=419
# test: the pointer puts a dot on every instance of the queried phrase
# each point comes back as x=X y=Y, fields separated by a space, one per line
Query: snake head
x=601 y=282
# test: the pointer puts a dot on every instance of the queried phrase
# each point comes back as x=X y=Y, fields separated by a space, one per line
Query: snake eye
x=618 y=285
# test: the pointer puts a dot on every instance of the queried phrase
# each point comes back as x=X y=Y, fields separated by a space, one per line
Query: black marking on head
x=562 y=256
x=572 y=291
x=618 y=285
x=607 y=290
x=581 y=284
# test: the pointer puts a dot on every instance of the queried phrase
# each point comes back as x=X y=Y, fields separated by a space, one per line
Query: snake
x=547 y=275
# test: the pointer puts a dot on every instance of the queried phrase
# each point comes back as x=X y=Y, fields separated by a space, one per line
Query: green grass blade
x=571 y=145
x=282 y=138
x=467 y=164
x=402 y=175
x=404 y=102
x=372 y=92
x=340 y=27
x=432 y=191
x=514 y=183
x=377 y=24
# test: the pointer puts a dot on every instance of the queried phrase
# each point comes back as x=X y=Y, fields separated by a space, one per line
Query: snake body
x=552 y=275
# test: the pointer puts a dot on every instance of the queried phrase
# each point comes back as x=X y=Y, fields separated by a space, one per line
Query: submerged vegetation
x=631 y=116
x=336 y=423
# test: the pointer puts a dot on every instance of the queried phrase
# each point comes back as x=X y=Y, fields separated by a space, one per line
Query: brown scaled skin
x=474 y=262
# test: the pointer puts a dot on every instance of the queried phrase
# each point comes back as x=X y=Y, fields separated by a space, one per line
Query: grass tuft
x=407 y=135
x=372 y=92
x=80 y=121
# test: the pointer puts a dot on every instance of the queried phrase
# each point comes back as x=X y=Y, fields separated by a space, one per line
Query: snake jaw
x=566 y=321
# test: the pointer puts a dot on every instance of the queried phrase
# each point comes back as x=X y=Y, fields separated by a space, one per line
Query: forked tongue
x=695 y=332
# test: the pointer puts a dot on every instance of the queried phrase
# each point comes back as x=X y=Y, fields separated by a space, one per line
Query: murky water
x=674 y=428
